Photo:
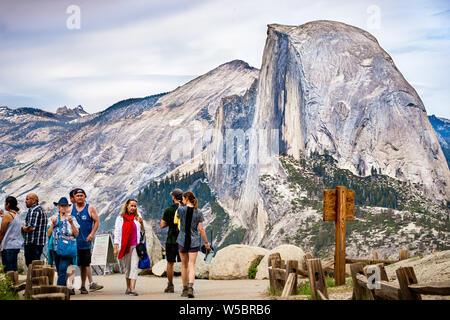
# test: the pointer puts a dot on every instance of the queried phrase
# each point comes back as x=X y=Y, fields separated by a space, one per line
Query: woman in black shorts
x=191 y=227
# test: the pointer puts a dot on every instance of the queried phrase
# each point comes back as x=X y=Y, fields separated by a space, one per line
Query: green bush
x=6 y=292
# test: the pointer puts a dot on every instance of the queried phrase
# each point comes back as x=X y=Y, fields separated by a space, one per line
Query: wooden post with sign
x=338 y=206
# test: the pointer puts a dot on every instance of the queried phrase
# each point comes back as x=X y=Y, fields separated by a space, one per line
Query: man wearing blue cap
x=87 y=218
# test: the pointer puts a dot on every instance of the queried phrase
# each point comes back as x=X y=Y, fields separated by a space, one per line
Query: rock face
x=328 y=86
x=430 y=268
x=287 y=252
x=232 y=262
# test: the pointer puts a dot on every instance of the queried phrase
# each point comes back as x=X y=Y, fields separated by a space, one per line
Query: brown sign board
x=330 y=205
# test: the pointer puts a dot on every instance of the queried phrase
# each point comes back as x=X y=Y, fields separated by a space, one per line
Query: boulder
x=154 y=247
x=233 y=262
x=201 y=268
x=287 y=252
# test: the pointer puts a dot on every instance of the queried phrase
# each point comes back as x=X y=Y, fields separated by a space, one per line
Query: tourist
x=11 y=239
x=63 y=227
x=172 y=254
x=34 y=229
x=128 y=232
x=87 y=218
x=191 y=228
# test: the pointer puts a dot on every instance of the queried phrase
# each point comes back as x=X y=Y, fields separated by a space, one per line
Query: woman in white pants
x=127 y=234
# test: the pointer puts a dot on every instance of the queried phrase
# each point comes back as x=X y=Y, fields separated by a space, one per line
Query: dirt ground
x=152 y=288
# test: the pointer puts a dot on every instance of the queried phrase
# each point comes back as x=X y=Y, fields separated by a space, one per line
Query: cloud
x=121 y=46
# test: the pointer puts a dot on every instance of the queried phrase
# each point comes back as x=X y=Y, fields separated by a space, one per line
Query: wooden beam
x=369 y=261
x=321 y=295
x=290 y=286
x=49 y=296
x=291 y=267
x=388 y=291
x=441 y=288
x=406 y=277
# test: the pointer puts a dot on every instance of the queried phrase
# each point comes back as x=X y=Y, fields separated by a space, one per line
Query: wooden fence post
x=339 y=266
x=403 y=254
x=274 y=261
x=375 y=255
x=406 y=276
x=306 y=257
x=359 y=292
x=316 y=278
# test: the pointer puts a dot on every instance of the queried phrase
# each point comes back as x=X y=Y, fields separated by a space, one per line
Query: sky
x=95 y=53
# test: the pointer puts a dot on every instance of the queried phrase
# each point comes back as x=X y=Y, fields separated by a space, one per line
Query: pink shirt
x=134 y=235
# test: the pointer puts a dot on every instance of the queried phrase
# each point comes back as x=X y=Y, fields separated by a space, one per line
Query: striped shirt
x=36 y=219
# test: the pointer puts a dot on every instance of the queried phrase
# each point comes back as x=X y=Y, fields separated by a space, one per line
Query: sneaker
x=72 y=292
x=185 y=292
x=190 y=292
x=83 y=290
x=95 y=287
x=131 y=293
x=170 y=288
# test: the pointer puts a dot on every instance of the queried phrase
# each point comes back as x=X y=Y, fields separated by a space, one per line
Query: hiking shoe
x=170 y=288
x=83 y=290
x=95 y=287
x=72 y=292
x=190 y=292
x=185 y=292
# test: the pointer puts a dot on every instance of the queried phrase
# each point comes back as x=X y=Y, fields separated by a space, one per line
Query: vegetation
x=6 y=293
x=252 y=270
x=156 y=197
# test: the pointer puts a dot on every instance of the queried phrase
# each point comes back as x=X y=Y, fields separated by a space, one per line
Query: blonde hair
x=125 y=208
x=189 y=195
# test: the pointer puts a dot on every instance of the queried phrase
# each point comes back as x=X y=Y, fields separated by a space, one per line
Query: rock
x=154 y=247
x=287 y=252
x=429 y=268
x=21 y=267
x=232 y=262
x=201 y=268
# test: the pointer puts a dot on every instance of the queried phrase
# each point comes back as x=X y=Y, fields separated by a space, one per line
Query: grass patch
x=304 y=289
x=252 y=270
x=272 y=292
x=330 y=281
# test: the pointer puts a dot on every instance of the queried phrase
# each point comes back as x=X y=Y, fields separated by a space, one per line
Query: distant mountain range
x=442 y=128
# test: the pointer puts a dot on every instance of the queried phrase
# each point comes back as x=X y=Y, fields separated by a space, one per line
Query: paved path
x=152 y=288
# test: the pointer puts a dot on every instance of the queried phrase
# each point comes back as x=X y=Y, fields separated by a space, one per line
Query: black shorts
x=172 y=254
x=84 y=257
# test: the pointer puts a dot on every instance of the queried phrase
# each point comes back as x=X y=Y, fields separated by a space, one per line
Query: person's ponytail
x=189 y=195
x=195 y=203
